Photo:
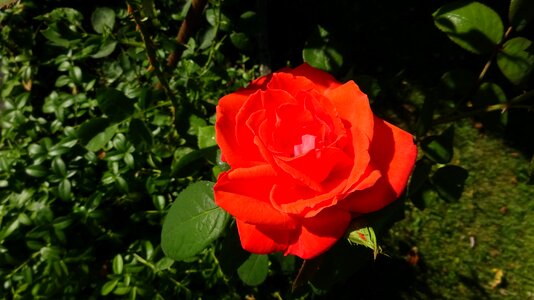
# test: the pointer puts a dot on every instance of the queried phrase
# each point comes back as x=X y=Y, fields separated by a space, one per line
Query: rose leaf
x=439 y=148
x=193 y=222
x=516 y=59
x=470 y=24
x=254 y=270
x=449 y=182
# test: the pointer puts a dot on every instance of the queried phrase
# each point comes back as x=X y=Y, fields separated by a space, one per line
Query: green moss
x=464 y=245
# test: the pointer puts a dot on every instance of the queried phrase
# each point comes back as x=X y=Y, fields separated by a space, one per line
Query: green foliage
x=320 y=54
x=108 y=155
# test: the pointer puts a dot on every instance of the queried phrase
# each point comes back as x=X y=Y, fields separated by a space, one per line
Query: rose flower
x=306 y=155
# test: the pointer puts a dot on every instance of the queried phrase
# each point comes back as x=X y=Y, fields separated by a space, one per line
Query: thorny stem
x=503 y=107
x=490 y=60
x=151 y=53
x=188 y=25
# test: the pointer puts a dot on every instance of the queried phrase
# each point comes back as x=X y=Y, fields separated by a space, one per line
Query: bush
x=107 y=119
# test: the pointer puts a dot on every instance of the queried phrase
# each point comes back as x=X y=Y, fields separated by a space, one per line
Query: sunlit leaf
x=470 y=24
x=36 y=171
x=365 y=236
x=193 y=222
x=206 y=137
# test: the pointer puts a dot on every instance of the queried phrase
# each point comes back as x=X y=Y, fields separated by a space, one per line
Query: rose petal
x=234 y=153
x=244 y=193
x=393 y=153
x=319 y=233
x=263 y=239
x=322 y=80
x=353 y=107
x=315 y=166
x=290 y=83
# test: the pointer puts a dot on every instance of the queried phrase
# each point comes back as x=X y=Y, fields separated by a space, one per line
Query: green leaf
x=207 y=38
x=55 y=38
x=58 y=166
x=103 y=17
x=115 y=104
x=206 y=137
x=439 y=148
x=105 y=49
x=449 y=182
x=419 y=176
x=216 y=18
x=425 y=196
x=140 y=135
x=240 y=40
x=516 y=59
x=470 y=24
x=164 y=264
x=64 y=189
x=100 y=140
x=521 y=12
x=254 y=270
x=36 y=171
x=193 y=222
x=91 y=128
x=185 y=157
x=231 y=255
x=324 y=58
x=319 y=53
x=118 y=264
x=108 y=287
x=365 y=236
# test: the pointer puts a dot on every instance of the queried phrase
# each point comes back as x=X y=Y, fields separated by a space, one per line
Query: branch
x=189 y=24
x=151 y=53
x=503 y=107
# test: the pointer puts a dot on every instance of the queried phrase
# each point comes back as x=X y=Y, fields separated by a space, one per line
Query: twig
x=493 y=54
x=503 y=107
x=151 y=54
x=190 y=22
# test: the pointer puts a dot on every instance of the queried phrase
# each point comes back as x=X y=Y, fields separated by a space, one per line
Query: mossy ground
x=482 y=246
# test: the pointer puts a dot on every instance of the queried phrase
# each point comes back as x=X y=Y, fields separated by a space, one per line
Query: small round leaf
x=254 y=270
x=101 y=18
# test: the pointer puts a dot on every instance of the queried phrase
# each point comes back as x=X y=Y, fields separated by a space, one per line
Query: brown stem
x=151 y=53
x=189 y=24
x=497 y=49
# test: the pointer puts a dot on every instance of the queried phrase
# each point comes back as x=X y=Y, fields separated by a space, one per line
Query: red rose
x=306 y=155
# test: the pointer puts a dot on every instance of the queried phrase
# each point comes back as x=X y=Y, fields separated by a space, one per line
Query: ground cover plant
x=109 y=155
